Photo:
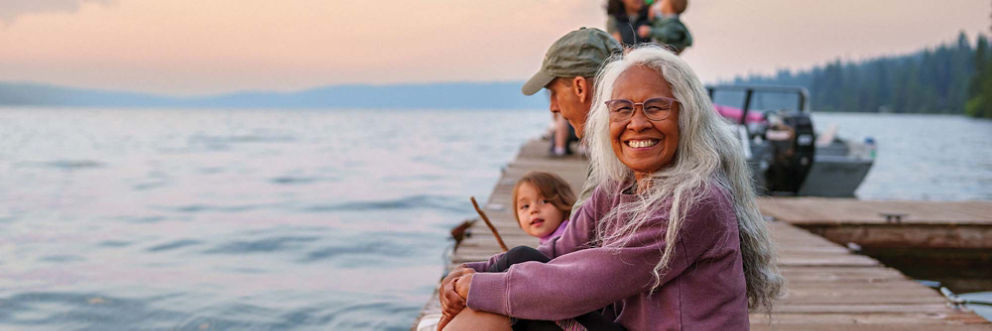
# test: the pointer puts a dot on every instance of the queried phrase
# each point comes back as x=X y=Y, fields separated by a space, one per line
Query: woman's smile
x=642 y=144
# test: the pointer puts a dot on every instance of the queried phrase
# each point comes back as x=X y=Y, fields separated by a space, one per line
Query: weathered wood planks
x=828 y=287
x=924 y=224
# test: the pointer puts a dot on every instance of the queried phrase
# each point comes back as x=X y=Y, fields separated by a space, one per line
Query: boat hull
x=835 y=176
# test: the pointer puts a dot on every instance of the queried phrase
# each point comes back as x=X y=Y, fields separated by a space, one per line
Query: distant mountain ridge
x=489 y=95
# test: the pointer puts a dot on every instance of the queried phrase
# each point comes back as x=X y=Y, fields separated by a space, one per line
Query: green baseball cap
x=578 y=53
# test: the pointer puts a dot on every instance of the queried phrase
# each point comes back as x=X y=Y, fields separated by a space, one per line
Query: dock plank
x=832 y=211
x=927 y=224
x=827 y=286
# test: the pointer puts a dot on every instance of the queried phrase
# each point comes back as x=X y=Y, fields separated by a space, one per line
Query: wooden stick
x=490 y=224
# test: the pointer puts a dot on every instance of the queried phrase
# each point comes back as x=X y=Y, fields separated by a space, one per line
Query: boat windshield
x=761 y=101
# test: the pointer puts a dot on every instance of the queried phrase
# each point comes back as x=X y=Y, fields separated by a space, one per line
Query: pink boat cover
x=734 y=114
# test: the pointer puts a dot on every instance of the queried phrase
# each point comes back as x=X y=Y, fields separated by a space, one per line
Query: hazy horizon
x=182 y=48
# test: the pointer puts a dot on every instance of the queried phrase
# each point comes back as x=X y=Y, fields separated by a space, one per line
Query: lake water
x=921 y=157
x=255 y=219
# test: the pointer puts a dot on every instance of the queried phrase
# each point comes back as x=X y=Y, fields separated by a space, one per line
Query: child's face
x=537 y=216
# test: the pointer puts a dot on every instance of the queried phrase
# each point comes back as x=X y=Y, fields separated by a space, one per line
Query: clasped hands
x=454 y=293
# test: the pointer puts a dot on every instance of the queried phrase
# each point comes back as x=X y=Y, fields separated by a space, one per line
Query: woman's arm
x=570 y=285
x=589 y=279
x=578 y=233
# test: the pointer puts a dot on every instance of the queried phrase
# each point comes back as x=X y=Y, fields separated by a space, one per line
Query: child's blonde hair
x=552 y=187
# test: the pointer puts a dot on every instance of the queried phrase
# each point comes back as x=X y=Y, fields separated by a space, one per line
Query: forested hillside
x=934 y=80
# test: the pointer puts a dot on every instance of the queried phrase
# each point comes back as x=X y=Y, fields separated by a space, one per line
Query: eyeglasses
x=655 y=109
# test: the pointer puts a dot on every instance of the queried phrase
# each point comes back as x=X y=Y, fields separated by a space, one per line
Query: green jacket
x=670 y=31
x=587 y=187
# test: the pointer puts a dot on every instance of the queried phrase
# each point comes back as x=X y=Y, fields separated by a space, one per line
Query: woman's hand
x=451 y=302
x=463 y=284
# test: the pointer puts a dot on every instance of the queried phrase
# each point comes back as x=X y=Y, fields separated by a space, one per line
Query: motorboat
x=785 y=154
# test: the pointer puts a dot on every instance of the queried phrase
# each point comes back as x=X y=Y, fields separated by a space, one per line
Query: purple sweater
x=556 y=234
x=704 y=288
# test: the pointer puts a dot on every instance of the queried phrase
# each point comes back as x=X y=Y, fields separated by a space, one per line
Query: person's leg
x=516 y=255
x=594 y=321
x=470 y=319
x=561 y=136
x=572 y=137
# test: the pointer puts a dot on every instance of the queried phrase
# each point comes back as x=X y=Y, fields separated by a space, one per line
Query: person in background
x=568 y=72
x=562 y=136
x=781 y=138
x=628 y=21
x=667 y=29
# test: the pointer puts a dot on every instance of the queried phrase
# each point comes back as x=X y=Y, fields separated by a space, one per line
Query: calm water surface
x=921 y=157
x=245 y=219
x=128 y=219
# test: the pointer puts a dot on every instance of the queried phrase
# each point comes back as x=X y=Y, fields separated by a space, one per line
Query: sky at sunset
x=184 y=47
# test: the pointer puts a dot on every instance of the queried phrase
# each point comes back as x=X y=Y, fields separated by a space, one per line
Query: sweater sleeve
x=585 y=280
x=572 y=284
x=578 y=232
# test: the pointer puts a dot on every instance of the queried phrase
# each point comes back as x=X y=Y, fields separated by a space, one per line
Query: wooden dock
x=888 y=224
x=828 y=287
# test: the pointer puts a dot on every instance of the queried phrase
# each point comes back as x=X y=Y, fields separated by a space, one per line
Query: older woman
x=671 y=238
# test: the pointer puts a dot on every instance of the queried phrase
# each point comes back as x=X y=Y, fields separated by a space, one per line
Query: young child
x=629 y=21
x=667 y=29
x=542 y=203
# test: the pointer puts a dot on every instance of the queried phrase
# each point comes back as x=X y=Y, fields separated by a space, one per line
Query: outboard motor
x=792 y=140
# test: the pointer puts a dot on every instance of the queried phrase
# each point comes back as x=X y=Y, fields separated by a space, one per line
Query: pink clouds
x=200 y=47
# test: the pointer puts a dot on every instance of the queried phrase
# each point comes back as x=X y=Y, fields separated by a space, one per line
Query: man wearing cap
x=568 y=71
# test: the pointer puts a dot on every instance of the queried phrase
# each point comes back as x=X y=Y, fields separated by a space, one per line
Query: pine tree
x=949 y=78
x=980 y=88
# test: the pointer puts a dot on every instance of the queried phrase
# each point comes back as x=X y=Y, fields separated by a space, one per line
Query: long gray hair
x=708 y=155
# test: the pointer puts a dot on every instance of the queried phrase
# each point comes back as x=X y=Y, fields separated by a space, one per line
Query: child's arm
x=482 y=266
